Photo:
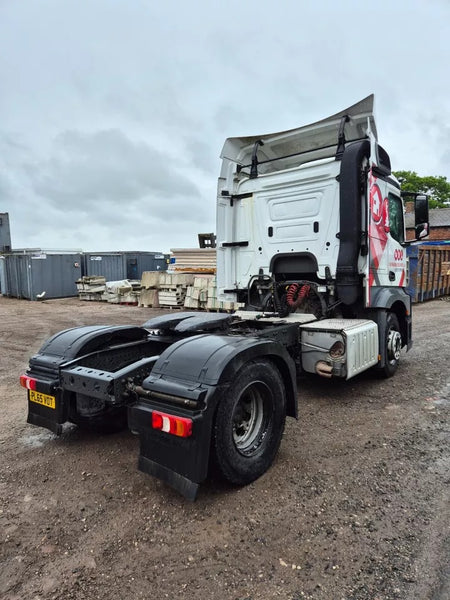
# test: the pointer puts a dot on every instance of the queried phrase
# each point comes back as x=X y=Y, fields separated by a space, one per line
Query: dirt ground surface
x=355 y=507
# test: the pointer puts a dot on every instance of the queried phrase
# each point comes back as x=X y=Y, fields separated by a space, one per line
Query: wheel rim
x=250 y=418
x=394 y=345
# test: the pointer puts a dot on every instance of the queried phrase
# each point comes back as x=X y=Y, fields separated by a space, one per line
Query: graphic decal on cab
x=378 y=228
x=386 y=256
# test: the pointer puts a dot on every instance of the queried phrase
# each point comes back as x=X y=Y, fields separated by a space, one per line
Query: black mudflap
x=183 y=485
x=180 y=462
x=46 y=407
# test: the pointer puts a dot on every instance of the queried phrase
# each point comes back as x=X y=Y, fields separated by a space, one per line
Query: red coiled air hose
x=296 y=294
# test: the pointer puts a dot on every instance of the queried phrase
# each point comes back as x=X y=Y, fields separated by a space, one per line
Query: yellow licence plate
x=44 y=399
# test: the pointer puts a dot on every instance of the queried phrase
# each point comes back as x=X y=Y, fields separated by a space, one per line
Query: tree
x=437 y=188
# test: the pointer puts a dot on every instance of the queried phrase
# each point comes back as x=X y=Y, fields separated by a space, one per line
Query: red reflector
x=28 y=382
x=180 y=426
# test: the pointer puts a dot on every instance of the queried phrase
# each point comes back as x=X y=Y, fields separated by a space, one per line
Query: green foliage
x=437 y=188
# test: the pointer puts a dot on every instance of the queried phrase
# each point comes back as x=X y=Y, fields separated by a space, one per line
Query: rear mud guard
x=61 y=350
x=189 y=380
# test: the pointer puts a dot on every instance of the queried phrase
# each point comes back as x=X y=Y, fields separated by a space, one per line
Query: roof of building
x=439 y=217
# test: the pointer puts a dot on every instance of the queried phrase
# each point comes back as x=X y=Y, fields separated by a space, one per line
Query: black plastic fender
x=70 y=343
x=211 y=360
x=190 y=321
x=60 y=350
x=198 y=369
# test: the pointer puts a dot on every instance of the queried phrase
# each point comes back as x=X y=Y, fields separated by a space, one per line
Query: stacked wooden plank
x=193 y=260
x=91 y=287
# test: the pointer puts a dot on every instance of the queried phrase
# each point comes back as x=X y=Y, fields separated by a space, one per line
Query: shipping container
x=138 y=262
x=37 y=275
x=111 y=265
x=115 y=266
x=429 y=270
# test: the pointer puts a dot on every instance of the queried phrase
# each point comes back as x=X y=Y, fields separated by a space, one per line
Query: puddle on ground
x=442 y=401
x=37 y=440
x=444 y=396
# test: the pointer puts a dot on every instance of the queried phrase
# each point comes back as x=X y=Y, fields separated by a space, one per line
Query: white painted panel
x=293 y=232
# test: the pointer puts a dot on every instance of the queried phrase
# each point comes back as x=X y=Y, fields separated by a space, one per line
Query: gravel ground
x=355 y=507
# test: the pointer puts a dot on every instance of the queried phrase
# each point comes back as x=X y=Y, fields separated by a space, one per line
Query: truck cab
x=318 y=208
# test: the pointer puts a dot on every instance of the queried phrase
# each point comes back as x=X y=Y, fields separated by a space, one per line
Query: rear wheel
x=249 y=423
x=392 y=345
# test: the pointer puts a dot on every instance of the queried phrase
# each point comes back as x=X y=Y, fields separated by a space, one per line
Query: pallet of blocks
x=197 y=293
x=91 y=287
x=149 y=297
x=122 y=292
x=202 y=295
x=213 y=304
x=173 y=288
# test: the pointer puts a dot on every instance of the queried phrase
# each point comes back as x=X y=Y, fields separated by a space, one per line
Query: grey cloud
x=441 y=131
x=6 y=192
x=106 y=165
x=146 y=94
x=202 y=154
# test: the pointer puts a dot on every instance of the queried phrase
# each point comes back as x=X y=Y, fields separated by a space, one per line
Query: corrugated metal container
x=50 y=275
x=115 y=266
x=111 y=265
x=138 y=262
x=429 y=270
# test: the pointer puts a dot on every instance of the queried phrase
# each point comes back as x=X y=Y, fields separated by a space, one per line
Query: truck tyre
x=249 y=423
x=92 y=415
x=392 y=345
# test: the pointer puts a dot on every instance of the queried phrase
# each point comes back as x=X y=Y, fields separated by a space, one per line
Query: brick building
x=439 y=223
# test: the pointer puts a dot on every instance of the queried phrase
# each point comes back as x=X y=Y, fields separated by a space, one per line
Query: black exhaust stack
x=350 y=234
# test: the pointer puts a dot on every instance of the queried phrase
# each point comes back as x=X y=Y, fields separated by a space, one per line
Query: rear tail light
x=28 y=382
x=180 y=426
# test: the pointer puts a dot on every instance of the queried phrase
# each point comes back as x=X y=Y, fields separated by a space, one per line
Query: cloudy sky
x=113 y=113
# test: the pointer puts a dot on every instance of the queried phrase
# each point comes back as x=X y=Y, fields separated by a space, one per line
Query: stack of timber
x=91 y=287
x=202 y=295
x=150 y=289
x=173 y=288
x=122 y=292
x=193 y=260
